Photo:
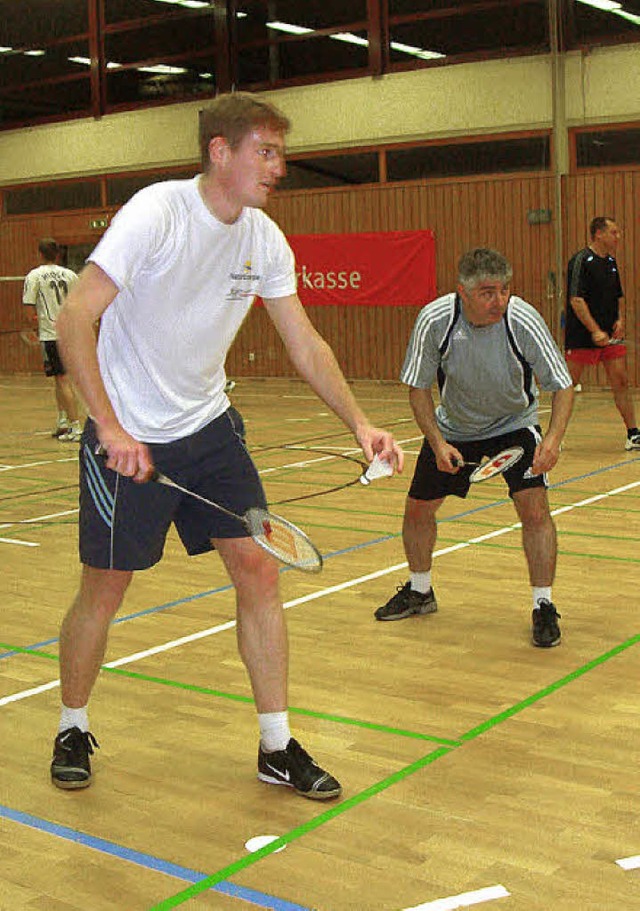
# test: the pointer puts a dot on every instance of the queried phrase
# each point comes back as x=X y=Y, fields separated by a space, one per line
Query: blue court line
x=335 y=553
x=148 y=861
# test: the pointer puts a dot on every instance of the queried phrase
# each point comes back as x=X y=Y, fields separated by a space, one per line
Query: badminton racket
x=282 y=539
x=494 y=466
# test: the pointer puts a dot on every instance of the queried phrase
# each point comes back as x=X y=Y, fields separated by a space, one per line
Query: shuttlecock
x=379 y=468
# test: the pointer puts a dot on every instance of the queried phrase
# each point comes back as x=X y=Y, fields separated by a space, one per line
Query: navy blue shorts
x=429 y=483
x=124 y=524
x=53 y=365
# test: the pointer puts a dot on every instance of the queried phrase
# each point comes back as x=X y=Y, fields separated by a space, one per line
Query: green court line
x=247 y=700
x=583 y=555
x=569 y=490
x=348 y=804
x=547 y=690
x=472 y=520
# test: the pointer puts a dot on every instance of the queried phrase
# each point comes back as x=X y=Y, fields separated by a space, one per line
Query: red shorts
x=590 y=356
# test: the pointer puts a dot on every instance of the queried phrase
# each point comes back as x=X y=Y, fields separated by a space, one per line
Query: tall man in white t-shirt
x=171 y=282
x=45 y=289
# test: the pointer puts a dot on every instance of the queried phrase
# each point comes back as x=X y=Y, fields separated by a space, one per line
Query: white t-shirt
x=186 y=282
x=46 y=288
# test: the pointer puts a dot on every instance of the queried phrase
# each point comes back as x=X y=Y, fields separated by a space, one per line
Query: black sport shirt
x=597 y=281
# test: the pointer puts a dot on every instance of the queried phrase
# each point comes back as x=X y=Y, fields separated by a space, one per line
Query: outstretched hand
x=380 y=442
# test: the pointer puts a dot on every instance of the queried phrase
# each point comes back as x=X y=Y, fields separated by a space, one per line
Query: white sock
x=75 y=425
x=63 y=420
x=540 y=592
x=274 y=730
x=421 y=582
x=74 y=718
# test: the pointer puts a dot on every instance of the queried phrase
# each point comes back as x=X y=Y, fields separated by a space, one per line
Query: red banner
x=381 y=269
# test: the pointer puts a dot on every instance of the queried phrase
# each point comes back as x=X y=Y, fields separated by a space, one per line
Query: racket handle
x=102 y=452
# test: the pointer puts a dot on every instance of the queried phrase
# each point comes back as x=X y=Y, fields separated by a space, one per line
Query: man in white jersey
x=485 y=347
x=171 y=282
x=45 y=289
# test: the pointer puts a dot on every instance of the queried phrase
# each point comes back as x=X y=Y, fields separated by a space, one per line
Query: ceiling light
x=189 y=4
x=632 y=17
x=87 y=62
x=288 y=28
x=34 y=53
x=162 y=69
x=350 y=39
x=607 y=5
x=416 y=51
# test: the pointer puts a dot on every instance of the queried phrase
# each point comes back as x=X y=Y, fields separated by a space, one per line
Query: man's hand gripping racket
x=491 y=467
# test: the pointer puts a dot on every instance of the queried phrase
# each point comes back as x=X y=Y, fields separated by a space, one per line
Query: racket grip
x=102 y=452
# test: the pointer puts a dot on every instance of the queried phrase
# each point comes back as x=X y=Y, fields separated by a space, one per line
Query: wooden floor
x=471 y=761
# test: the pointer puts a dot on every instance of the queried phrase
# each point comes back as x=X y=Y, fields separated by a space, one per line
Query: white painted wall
x=448 y=101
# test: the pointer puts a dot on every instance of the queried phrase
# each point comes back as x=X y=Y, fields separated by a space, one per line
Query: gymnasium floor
x=476 y=768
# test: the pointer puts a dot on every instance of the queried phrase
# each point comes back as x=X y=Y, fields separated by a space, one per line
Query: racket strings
x=282 y=539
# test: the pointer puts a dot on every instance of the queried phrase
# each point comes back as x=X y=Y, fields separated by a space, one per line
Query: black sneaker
x=294 y=768
x=70 y=766
x=546 y=631
x=406 y=602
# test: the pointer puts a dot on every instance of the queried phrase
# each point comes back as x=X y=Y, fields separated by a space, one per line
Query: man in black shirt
x=595 y=318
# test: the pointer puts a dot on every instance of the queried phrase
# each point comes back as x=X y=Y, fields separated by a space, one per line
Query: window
x=280 y=41
x=466 y=158
x=41 y=44
x=331 y=171
x=158 y=50
x=433 y=30
x=52 y=197
x=595 y=22
x=122 y=188
x=598 y=148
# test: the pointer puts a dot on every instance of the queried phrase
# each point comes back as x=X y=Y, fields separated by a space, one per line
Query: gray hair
x=483 y=264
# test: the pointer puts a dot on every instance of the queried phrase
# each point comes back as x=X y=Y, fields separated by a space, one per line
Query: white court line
x=321 y=593
x=19 y=542
x=37 y=464
x=53 y=515
x=629 y=863
x=464 y=900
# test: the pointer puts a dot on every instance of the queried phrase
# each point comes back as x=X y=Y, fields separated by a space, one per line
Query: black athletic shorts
x=53 y=365
x=429 y=483
x=124 y=524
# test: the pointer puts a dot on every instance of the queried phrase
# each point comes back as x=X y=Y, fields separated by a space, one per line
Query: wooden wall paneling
x=462 y=212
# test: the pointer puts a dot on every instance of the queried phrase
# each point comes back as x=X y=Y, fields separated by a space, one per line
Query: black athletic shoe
x=294 y=768
x=70 y=767
x=406 y=602
x=545 y=631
